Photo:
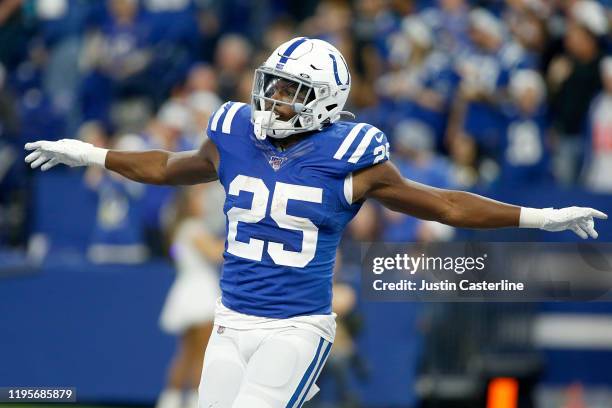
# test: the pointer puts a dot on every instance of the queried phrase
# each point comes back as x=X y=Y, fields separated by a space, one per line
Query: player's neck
x=284 y=144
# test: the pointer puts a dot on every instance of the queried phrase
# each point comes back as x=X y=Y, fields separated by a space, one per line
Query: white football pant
x=261 y=368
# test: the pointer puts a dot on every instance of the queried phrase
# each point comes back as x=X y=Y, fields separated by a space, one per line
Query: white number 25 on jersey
x=283 y=192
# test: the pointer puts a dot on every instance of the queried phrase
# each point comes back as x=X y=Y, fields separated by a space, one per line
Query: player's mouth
x=283 y=115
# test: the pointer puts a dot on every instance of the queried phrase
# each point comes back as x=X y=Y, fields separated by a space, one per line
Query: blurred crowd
x=471 y=94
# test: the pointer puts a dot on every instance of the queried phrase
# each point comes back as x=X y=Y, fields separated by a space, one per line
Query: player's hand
x=70 y=152
x=577 y=219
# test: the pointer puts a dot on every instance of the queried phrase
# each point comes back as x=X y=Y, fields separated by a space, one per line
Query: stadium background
x=511 y=99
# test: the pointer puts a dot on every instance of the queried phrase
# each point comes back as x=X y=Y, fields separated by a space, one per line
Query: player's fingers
x=32 y=156
x=597 y=214
x=34 y=145
x=579 y=232
x=589 y=228
x=591 y=231
x=51 y=163
x=36 y=163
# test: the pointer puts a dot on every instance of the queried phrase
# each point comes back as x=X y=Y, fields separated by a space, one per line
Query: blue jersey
x=491 y=72
x=524 y=155
x=286 y=210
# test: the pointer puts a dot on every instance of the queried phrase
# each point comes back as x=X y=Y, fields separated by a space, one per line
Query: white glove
x=70 y=152
x=577 y=219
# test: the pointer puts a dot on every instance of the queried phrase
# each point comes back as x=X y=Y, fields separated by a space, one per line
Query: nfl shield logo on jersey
x=276 y=162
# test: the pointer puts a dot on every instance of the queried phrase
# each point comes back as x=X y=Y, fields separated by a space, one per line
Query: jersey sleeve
x=362 y=146
x=232 y=118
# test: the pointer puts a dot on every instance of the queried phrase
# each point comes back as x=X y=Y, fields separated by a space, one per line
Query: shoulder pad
x=230 y=118
x=361 y=146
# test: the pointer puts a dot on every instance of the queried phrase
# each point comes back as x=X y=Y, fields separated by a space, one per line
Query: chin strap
x=260 y=118
x=259 y=134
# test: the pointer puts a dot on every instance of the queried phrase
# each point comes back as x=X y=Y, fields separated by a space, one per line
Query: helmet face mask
x=293 y=95
x=276 y=92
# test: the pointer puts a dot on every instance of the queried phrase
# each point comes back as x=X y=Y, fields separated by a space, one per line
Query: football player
x=294 y=175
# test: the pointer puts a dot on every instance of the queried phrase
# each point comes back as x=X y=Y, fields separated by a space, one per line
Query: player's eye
x=290 y=90
x=270 y=88
x=280 y=88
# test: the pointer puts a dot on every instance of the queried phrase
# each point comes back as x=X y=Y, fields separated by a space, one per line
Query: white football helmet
x=308 y=75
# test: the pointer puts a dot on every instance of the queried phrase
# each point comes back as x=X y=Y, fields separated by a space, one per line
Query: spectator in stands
x=118 y=235
x=9 y=120
x=485 y=72
x=332 y=22
x=449 y=21
x=59 y=20
x=39 y=116
x=201 y=105
x=190 y=304
x=202 y=78
x=280 y=31
x=424 y=82
x=232 y=59
x=12 y=173
x=166 y=131
x=173 y=22
x=525 y=155
x=14 y=33
x=525 y=20
x=574 y=81
x=175 y=41
x=60 y=24
x=116 y=61
x=361 y=35
x=598 y=163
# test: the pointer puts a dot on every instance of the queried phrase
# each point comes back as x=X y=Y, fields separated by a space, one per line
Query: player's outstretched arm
x=151 y=167
x=384 y=183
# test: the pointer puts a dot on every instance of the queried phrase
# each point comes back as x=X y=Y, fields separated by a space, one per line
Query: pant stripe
x=306 y=376
x=316 y=373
